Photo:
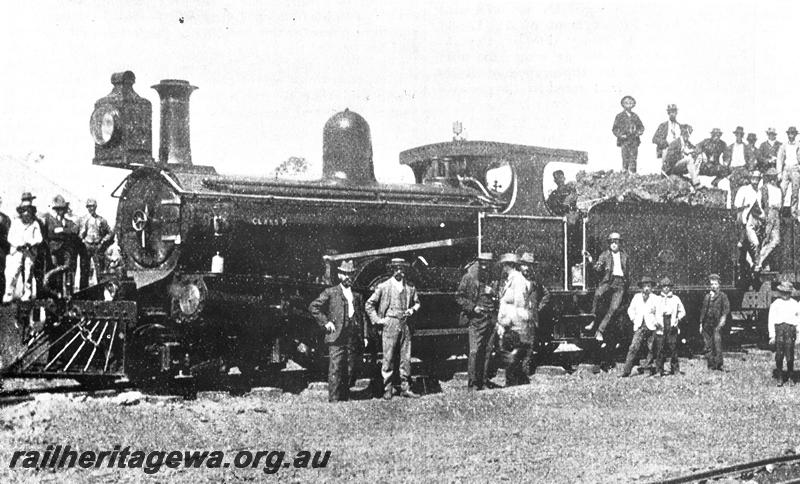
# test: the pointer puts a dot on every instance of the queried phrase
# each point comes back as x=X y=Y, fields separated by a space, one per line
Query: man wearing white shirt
x=788 y=165
x=670 y=313
x=749 y=214
x=668 y=131
x=339 y=311
x=771 y=202
x=642 y=311
x=784 y=317
x=24 y=236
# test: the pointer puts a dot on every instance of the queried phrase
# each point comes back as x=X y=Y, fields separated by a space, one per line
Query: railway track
x=788 y=464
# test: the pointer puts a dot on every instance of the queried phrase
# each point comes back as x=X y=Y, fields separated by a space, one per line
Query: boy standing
x=670 y=314
x=784 y=317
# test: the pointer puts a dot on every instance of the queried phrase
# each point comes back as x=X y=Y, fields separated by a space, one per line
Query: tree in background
x=293 y=167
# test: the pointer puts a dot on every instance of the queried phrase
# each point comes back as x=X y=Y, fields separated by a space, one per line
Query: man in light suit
x=513 y=320
x=338 y=310
x=390 y=306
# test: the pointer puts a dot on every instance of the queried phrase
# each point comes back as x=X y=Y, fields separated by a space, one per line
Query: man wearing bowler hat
x=96 y=235
x=477 y=293
x=668 y=131
x=768 y=151
x=339 y=311
x=628 y=129
x=788 y=166
x=713 y=316
x=784 y=317
x=391 y=306
x=642 y=311
x=613 y=264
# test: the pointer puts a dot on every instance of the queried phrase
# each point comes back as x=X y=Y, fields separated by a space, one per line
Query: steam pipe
x=174 y=144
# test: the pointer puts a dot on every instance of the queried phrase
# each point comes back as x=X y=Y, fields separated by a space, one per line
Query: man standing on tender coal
x=339 y=311
x=784 y=317
x=713 y=316
x=390 y=306
x=628 y=129
x=476 y=296
x=667 y=132
x=613 y=264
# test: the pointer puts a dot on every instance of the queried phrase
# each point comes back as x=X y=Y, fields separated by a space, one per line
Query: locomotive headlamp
x=103 y=125
x=189 y=300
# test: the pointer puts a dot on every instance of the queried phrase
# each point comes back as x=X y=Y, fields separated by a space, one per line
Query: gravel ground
x=575 y=428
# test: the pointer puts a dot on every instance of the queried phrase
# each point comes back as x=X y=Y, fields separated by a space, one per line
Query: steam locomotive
x=219 y=269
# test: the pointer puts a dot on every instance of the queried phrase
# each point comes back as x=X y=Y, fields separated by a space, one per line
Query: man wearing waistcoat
x=628 y=129
x=613 y=264
x=338 y=310
x=477 y=293
x=667 y=132
x=768 y=151
x=713 y=316
x=390 y=306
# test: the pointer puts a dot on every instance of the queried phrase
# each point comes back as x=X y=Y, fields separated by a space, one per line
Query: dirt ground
x=560 y=428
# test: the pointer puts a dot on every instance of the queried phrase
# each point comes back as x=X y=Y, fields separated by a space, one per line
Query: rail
x=736 y=469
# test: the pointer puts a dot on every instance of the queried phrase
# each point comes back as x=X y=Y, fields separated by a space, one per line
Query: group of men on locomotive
x=31 y=246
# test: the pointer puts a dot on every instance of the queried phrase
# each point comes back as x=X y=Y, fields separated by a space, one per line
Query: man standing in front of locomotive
x=670 y=313
x=338 y=310
x=628 y=128
x=749 y=214
x=535 y=301
x=642 y=311
x=713 y=316
x=476 y=297
x=771 y=202
x=23 y=238
x=61 y=235
x=513 y=325
x=96 y=236
x=390 y=306
x=613 y=263
x=784 y=317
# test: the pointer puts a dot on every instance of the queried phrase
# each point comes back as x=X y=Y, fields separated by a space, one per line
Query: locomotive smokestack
x=347 y=148
x=175 y=146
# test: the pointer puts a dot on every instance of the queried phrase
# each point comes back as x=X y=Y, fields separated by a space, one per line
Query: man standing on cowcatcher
x=339 y=311
x=477 y=294
x=390 y=306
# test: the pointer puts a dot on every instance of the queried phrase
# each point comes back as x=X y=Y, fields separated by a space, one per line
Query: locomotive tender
x=182 y=312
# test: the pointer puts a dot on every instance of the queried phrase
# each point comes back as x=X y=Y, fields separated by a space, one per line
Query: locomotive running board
x=88 y=342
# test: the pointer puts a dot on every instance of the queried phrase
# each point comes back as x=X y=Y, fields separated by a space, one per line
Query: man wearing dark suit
x=477 y=293
x=339 y=311
x=61 y=235
x=712 y=149
x=628 y=128
x=667 y=132
x=768 y=151
x=390 y=306
x=613 y=264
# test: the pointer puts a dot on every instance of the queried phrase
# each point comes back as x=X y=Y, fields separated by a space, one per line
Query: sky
x=544 y=73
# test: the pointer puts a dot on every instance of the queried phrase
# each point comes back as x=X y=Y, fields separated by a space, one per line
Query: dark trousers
x=639 y=341
x=92 y=253
x=712 y=340
x=617 y=289
x=514 y=353
x=630 y=152
x=669 y=349
x=785 y=336
x=396 y=353
x=480 y=351
x=340 y=368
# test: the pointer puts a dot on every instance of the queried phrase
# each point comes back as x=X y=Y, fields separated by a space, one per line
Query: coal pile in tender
x=595 y=187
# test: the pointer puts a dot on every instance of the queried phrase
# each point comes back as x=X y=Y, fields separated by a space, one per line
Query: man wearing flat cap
x=642 y=311
x=513 y=319
x=613 y=264
x=628 y=129
x=477 y=293
x=61 y=237
x=768 y=151
x=96 y=235
x=782 y=323
x=667 y=132
x=771 y=203
x=788 y=165
x=339 y=311
x=390 y=306
x=713 y=316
